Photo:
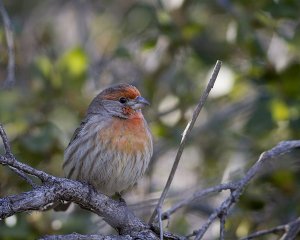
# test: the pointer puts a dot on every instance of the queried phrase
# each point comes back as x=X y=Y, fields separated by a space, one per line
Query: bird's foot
x=118 y=197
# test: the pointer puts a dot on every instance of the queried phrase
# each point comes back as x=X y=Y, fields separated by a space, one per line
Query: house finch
x=112 y=147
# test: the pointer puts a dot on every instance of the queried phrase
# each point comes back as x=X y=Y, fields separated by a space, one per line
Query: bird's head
x=123 y=100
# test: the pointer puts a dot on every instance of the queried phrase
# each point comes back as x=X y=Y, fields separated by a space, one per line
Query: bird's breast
x=128 y=136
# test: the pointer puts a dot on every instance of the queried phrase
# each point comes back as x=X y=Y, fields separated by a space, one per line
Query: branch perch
x=85 y=237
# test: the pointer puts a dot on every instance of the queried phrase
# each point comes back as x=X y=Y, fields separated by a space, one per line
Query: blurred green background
x=68 y=51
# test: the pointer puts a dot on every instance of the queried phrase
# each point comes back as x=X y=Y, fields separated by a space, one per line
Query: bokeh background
x=68 y=51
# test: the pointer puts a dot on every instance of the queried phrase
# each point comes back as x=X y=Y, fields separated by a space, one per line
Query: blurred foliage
x=67 y=51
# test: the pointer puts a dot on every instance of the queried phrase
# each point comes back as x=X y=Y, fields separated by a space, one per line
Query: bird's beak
x=138 y=103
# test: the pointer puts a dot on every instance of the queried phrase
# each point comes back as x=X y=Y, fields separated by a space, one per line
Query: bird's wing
x=77 y=131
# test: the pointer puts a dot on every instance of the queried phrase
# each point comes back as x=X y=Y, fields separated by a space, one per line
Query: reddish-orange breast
x=127 y=135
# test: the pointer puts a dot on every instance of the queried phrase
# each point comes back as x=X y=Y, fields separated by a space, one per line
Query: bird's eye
x=123 y=100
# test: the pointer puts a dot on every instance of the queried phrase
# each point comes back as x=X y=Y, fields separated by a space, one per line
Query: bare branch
x=10 y=78
x=276 y=230
x=197 y=196
x=84 y=237
x=161 y=230
x=293 y=228
x=281 y=148
x=114 y=213
x=12 y=162
x=24 y=177
x=18 y=167
x=186 y=134
x=167 y=235
x=290 y=230
x=9 y=155
x=222 y=225
x=5 y=139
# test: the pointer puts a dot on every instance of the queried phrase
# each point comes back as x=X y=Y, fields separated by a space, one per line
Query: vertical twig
x=161 y=230
x=4 y=139
x=185 y=136
x=9 y=154
x=10 y=77
x=222 y=226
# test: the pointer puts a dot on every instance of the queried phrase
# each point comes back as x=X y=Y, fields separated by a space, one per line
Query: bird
x=112 y=147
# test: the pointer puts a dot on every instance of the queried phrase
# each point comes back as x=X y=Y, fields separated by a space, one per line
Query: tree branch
x=9 y=155
x=10 y=78
x=114 y=212
x=85 y=237
x=186 y=134
x=222 y=217
x=24 y=177
x=5 y=139
x=265 y=157
x=197 y=196
x=290 y=230
x=12 y=162
x=276 y=230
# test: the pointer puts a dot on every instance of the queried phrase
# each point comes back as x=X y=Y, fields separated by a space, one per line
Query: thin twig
x=24 y=177
x=10 y=78
x=161 y=230
x=199 y=234
x=275 y=230
x=5 y=139
x=291 y=230
x=9 y=154
x=185 y=136
x=167 y=235
x=222 y=225
x=279 y=149
x=10 y=160
x=197 y=196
